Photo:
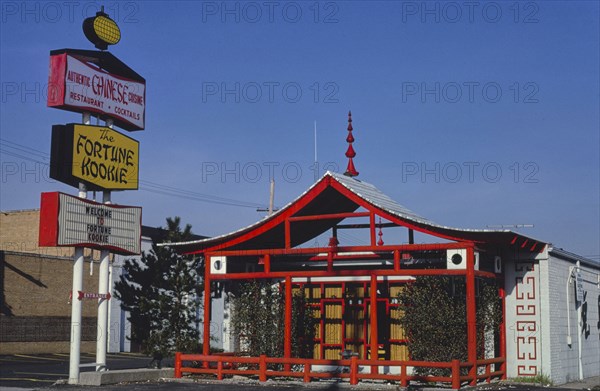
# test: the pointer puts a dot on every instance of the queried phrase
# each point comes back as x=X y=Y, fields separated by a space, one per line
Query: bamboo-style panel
x=395 y=291
x=317 y=351
x=333 y=353
x=354 y=318
x=398 y=352
x=333 y=333
x=396 y=330
x=333 y=292
x=316 y=313
x=312 y=292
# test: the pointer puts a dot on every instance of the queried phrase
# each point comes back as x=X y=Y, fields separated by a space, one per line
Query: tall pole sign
x=93 y=82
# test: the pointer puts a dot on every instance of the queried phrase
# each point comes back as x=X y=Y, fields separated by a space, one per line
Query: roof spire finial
x=350 y=170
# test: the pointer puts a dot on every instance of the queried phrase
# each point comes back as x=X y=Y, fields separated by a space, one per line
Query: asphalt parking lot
x=43 y=370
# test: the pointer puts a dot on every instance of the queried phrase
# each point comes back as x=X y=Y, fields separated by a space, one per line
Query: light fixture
x=101 y=30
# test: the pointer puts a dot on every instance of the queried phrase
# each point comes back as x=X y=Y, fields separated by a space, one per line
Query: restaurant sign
x=76 y=222
x=101 y=157
x=78 y=86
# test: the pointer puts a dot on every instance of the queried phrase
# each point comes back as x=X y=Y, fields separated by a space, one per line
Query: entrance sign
x=77 y=86
x=71 y=221
x=88 y=295
x=579 y=286
x=99 y=156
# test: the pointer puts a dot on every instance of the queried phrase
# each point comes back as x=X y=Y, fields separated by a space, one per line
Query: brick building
x=35 y=286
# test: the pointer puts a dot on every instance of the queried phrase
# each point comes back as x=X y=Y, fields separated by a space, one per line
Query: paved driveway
x=29 y=371
x=43 y=371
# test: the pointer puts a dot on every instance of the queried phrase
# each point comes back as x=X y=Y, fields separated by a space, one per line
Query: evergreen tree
x=435 y=319
x=258 y=319
x=162 y=294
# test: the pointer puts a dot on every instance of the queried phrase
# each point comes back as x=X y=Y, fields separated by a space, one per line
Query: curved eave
x=269 y=232
x=335 y=193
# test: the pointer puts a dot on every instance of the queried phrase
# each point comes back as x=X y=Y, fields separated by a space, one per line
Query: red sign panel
x=75 y=222
x=77 y=86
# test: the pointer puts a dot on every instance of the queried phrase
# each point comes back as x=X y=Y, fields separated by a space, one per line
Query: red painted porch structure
x=277 y=247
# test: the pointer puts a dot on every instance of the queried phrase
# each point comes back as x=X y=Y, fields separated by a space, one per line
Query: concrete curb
x=124 y=375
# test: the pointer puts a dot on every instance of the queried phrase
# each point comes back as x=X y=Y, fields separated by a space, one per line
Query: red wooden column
x=503 y=329
x=373 y=309
x=396 y=260
x=287 y=339
x=207 y=303
x=471 y=314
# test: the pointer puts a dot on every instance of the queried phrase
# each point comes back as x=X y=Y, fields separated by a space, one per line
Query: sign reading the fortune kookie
x=101 y=157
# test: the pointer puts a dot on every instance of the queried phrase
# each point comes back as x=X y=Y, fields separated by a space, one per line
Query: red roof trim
x=275 y=221
x=395 y=219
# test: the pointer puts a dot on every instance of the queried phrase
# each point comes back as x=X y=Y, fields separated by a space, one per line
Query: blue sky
x=470 y=114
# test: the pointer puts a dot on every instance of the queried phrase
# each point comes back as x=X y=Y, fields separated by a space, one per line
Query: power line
x=22 y=157
x=148 y=186
x=24 y=148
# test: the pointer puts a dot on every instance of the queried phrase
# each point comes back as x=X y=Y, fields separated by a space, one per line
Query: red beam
x=348 y=273
x=348 y=257
x=339 y=273
x=330 y=216
x=363 y=226
x=346 y=249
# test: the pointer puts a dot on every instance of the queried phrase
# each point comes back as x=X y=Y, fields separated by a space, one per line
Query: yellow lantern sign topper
x=101 y=30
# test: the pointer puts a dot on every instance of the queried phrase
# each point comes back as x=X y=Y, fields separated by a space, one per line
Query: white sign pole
x=75 y=348
x=579 y=295
x=103 y=288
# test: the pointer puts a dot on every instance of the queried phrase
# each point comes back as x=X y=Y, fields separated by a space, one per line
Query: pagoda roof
x=336 y=194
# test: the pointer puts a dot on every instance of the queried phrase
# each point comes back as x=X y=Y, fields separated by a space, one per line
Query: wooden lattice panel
x=396 y=330
x=333 y=323
x=398 y=352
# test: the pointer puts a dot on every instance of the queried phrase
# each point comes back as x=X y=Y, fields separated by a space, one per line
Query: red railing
x=221 y=365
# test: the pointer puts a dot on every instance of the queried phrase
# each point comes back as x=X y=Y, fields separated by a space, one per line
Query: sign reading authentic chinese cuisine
x=71 y=221
x=98 y=156
x=78 y=86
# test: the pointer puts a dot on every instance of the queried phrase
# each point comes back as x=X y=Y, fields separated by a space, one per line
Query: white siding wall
x=564 y=358
x=536 y=319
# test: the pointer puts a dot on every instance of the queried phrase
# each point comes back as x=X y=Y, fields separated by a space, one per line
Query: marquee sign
x=98 y=156
x=75 y=222
x=78 y=86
